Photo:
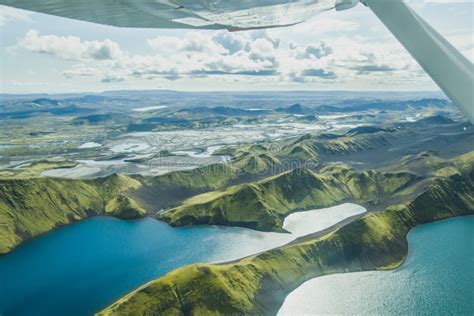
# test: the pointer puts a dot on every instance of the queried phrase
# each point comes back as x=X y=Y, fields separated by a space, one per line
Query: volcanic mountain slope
x=29 y=207
x=258 y=284
x=264 y=204
x=369 y=146
x=252 y=162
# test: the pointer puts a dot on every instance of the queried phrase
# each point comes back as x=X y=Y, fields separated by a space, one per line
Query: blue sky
x=348 y=50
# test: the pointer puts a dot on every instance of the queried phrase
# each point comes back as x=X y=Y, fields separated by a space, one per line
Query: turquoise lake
x=436 y=279
x=81 y=268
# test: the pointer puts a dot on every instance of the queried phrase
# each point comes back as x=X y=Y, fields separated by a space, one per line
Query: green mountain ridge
x=315 y=148
x=30 y=207
x=257 y=285
x=264 y=204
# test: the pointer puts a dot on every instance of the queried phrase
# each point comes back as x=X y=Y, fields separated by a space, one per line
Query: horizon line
x=222 y=91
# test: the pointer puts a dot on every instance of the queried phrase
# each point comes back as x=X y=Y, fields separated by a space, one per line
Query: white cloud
x=205 y=54
x=80 y=71
x=242 y=54
x=112 y=78
x=70 y=47
x=335 y=49
x=464 y=42
x=311 y=51
x=232 y=42
x=196 y=42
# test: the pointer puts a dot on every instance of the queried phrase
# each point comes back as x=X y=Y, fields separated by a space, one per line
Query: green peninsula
x=258 y=284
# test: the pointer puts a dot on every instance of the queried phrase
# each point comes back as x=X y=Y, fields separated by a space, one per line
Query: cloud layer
x=70 y=47
x=199 y=54
x=334 y=50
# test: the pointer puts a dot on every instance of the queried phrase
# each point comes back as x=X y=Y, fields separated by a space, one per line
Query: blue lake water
x=77 y=269
x=436 y=279
x=81 y=268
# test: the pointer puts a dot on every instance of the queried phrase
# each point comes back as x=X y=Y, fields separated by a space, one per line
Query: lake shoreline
x=110 y=248
x=311 y=290
x=376 y=241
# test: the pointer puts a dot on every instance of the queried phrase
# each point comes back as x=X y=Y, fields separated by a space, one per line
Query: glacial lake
x=436 y=279
x=81 y=268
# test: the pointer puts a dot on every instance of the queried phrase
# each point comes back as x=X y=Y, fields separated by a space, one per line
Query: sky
x=345 y=50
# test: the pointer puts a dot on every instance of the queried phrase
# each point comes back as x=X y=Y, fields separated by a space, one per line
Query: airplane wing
x=453 y=72
x=198 y=14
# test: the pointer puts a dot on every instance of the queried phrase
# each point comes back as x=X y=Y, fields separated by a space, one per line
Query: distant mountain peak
x=45 y=102
x=365 y=130
x=222 y=110
x=293 y=109
x=436 y=119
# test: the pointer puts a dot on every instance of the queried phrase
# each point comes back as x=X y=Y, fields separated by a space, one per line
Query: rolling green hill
x=254 y=190
x=264 y=204
x=313 y=146
x=30 y=207
x=258 y=284
x=168 y=190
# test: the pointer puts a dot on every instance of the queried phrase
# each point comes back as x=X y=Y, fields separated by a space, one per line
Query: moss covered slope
x=259 y=284
x=264 y=204
x=173 y=187
x=29 y=207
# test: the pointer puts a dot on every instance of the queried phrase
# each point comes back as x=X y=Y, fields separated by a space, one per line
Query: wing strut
x=451 y=70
